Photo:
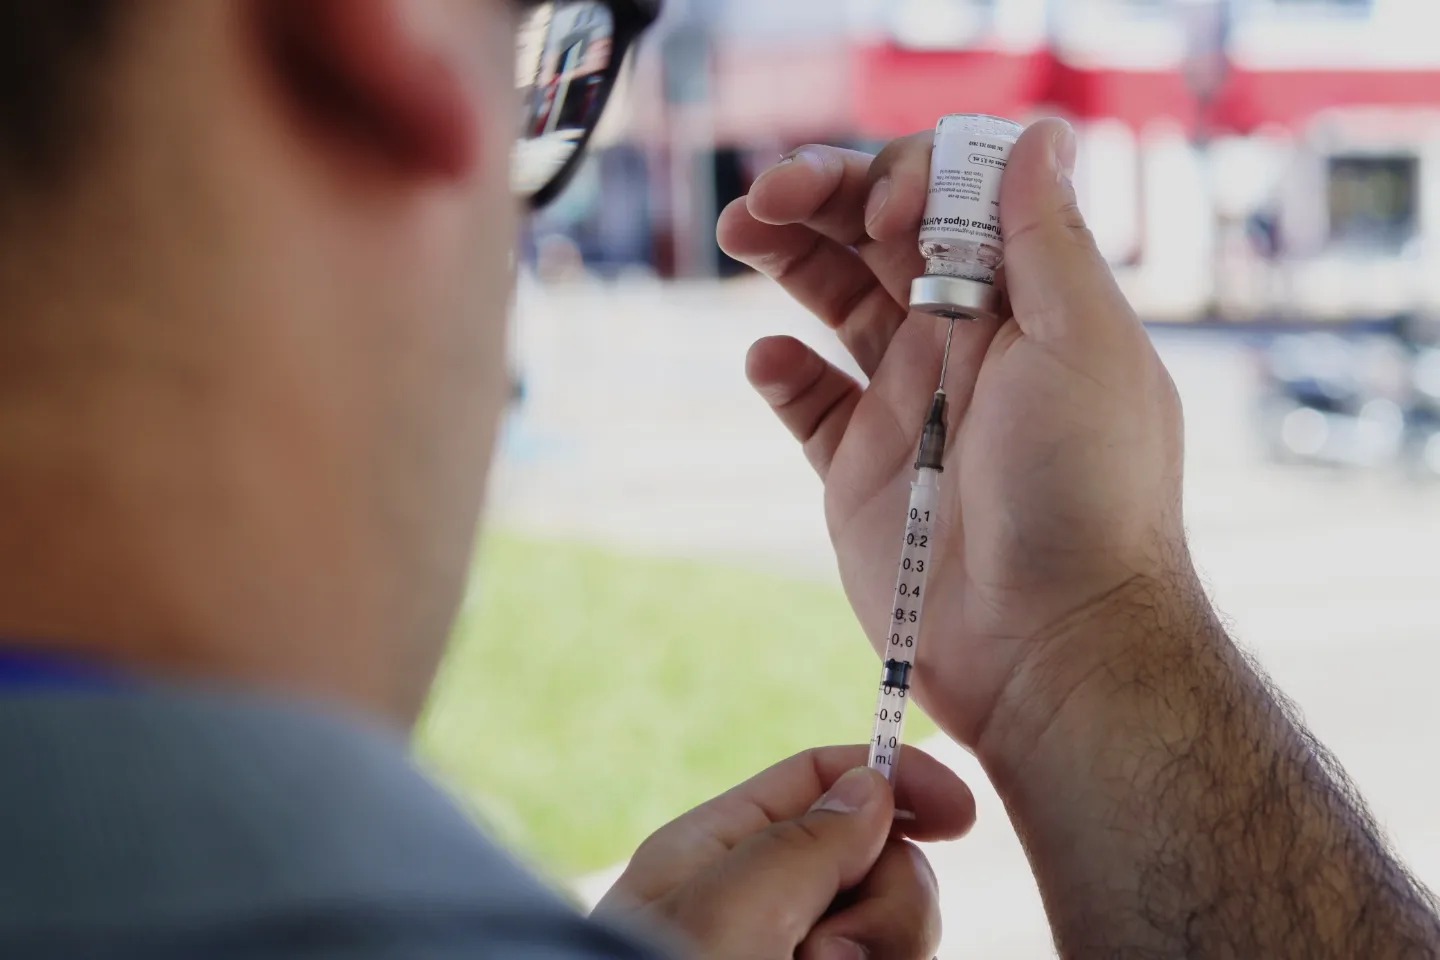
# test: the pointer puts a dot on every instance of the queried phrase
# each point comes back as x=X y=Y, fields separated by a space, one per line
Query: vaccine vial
x=960 y=235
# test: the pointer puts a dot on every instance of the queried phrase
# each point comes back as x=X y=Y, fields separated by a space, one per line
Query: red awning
x=898 y=92
x=1255 y=98
x=1134 y=97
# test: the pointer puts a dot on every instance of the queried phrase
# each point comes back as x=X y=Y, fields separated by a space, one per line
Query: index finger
x=901 y=179
x=822 y=187
x=846 y=195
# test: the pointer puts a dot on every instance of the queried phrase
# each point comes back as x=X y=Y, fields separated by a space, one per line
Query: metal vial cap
x=955 y=298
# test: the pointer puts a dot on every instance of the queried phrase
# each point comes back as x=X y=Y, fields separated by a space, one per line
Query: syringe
x=904 y=621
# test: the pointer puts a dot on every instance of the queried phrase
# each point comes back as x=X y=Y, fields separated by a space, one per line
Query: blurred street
x=638 y=430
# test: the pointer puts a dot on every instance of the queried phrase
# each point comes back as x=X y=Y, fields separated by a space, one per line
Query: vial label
x=964 y=203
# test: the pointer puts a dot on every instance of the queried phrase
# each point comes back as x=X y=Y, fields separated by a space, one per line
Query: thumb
x=1059 y=284
x=765 y=897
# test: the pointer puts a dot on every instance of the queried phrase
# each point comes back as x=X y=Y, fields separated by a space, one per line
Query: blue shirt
x=25 y=668
x=171 y=823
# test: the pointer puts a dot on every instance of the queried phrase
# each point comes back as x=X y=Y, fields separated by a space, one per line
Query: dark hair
x=49 y=57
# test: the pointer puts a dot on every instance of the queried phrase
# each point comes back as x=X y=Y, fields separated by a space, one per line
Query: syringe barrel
x=904 y=622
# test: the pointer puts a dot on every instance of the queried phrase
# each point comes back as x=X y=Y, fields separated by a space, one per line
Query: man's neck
x=161 y=516
x=191 y=444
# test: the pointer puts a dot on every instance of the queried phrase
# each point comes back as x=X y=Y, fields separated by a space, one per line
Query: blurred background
x=1264 y=177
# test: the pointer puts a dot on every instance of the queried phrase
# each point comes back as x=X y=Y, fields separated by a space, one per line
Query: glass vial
x=960 y=234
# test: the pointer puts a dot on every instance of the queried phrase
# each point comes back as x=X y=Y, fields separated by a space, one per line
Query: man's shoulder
x=167 y=814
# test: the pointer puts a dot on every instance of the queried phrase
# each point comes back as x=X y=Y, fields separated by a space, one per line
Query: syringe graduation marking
x=903 y=630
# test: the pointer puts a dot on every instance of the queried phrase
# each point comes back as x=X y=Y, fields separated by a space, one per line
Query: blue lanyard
x=27 y=670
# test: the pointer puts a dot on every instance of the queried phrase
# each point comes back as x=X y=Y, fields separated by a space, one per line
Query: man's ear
x=363 y=74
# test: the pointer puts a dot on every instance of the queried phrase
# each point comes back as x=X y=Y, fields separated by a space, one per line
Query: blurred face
x=463 y=383
x=295 y=301
x=398 y=196
x=481 y=265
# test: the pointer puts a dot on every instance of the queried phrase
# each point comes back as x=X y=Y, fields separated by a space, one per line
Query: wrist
x=1170 y=804
x=1088 y=679
x=1086 y=741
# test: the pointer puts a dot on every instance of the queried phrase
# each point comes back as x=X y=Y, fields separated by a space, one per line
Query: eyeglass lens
x=564 y=50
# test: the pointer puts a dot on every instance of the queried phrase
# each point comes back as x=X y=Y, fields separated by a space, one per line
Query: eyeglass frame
x=630 y=18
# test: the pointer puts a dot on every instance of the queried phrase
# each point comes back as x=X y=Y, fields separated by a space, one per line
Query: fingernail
x=852 y=793
x=840 y=949
x=879 y=196
x=788 y=159
x=784 y=161
x=1062 y=151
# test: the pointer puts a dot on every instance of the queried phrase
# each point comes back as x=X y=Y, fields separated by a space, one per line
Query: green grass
x=590 y=696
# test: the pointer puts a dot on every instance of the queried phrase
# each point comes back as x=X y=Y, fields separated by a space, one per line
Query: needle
x=945 y=366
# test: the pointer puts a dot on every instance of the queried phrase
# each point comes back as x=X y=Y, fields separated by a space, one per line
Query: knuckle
x=653 y=851
x=798 y=834
x=1071 y=221
x=814 y=760
x=905 y=153
x=1066 y=228
x=1069 y=216
x=782 y=267
x=1021 y=232
x=912 y=896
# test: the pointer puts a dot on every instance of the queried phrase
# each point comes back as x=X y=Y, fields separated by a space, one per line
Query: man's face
x=298 y=288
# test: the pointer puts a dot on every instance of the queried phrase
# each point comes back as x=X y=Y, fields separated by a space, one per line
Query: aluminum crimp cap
x=955 y=298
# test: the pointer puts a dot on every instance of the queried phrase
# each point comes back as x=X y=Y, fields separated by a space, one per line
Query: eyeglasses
x=568 y=55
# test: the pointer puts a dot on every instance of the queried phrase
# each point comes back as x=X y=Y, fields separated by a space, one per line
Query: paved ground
x=639 y=430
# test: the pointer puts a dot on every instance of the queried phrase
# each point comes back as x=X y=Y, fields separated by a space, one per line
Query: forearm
x=1172 y=805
